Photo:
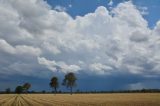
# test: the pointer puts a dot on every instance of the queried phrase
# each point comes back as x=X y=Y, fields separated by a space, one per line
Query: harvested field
x=121 y=99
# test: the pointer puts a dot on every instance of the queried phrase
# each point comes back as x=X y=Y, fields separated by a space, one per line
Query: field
x=123 y=99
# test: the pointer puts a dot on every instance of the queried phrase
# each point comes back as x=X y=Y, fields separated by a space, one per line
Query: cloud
x=60 y=8
x=139 y=36
x=5 y=47
x=101 y=43
x=19 y=49
x=110 y=3
x=50 y=48
x=143 y=10
x=58 y=66
x=23 y=49
x=100 y=68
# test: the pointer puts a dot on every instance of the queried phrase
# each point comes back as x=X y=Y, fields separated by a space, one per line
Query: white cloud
x=157 y=29
x=51 y=48
x=19 y=49
x=140 y=36
x=4 y=46
x=102 y=42
x=23 y=49
x=60 y=8
x=143 y=10
x=100 y=68
x=110 y=3
x=58 y=66
x=49 y=64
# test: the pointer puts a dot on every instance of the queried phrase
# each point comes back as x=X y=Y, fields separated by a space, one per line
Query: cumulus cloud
x=103 y=42
x=58 y=66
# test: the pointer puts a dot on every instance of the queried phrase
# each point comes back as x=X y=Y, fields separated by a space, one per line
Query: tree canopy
x=54 y=83
x=70 y=81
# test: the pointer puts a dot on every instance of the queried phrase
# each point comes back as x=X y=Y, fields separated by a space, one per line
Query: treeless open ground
x=121 y=99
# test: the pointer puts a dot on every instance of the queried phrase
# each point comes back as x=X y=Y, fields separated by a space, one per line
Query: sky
x=108 y=44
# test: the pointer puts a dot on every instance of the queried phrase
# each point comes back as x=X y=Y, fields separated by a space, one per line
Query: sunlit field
x=121 y=99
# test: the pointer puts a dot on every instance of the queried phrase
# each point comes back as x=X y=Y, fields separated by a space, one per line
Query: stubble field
x=122 y=99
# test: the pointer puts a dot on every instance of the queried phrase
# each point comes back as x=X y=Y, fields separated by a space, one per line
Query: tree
x=26 y=87
x=54 y=84
x=70 y=81
x=8 y=90
x=19 y=89
x=43 y=91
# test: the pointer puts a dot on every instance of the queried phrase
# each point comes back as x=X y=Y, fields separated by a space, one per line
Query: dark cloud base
x=84 y=82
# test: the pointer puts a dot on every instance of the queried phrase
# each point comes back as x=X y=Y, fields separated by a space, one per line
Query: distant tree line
x=88 y=92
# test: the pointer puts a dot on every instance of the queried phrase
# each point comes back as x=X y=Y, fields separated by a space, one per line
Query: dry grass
x=147 y=99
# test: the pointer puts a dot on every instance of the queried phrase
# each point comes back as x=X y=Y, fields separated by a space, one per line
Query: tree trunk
x=55 y=90
x=71 y=90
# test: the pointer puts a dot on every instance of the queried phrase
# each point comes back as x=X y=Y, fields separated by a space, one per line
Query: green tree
x=26 y=87
x=19 y=89
x=70 y=81
x=54 y=84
